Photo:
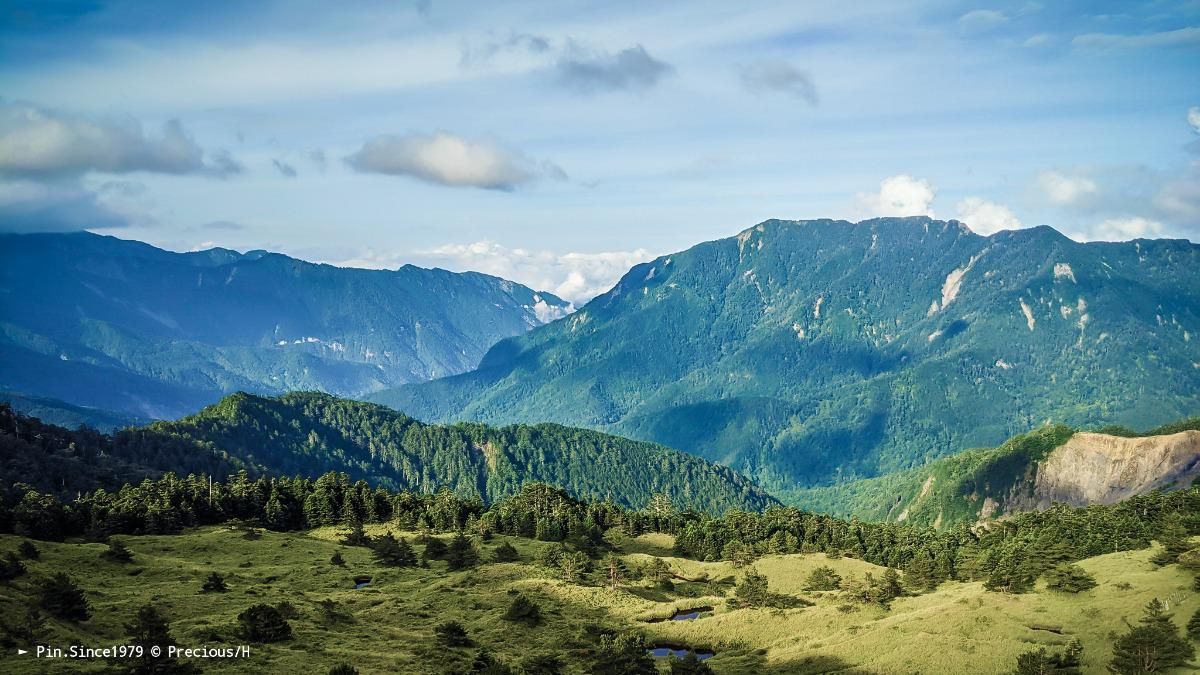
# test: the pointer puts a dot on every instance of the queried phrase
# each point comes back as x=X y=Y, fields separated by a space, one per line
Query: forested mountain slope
x=810 y=352
x=308 y=434
x=1054 y=464
x=106 y=323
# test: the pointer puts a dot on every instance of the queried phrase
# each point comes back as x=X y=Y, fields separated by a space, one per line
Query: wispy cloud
x=778 y=76
x=589 y=71
x=981 y=20
x=478 y=52
x=1171 y=38
x=286 y=170
x=446 y=159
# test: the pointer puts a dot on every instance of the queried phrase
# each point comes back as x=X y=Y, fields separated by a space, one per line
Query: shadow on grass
x=808 y=665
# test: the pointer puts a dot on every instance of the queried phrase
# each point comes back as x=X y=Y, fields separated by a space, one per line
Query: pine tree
x=690 y=664
x=1042 y=662
x=1068 y=578
x=485 y=663
x=823 y=578
x=264 y=623
x=614 y=571
x=919 y=574
x=393 y=552
x=751 y=591
x=150 y=629
x=1154 y=645
x=461 y=553
x=28 y=551
x=343 y=669
x=337 y=559
x=63 y=598
x=118 y=552
x=623 y=655
x=1193 y=626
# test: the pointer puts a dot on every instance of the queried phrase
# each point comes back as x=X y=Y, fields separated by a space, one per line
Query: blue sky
x=559 y=143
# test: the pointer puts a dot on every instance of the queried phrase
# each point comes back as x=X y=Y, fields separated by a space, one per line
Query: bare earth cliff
x=1101 y=469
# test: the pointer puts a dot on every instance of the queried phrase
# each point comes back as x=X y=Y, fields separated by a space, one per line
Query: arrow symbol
x=21 y=651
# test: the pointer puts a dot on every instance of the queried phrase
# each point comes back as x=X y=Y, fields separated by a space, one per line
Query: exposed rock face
x=1100 y=469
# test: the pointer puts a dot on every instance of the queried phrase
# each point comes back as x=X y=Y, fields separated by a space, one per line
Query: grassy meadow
x=387 y=626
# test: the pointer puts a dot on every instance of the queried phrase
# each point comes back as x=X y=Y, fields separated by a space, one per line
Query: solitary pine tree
x=147 y=630
x=118 y=552
x=461 y=553
x=751 y=591
x=63 y=598
x=1152 y=646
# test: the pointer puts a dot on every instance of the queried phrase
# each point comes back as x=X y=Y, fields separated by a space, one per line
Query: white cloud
x=901 y=195
x=576 y=277
x=1170 y=38
x=1062 y=189
x=1120 y=229
x=984 y=217
x=1193 y=118
x=447 y=159
x=39 y=142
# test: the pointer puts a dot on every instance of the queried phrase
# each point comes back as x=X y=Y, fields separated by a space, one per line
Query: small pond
x=663 y=651
x=360 y=582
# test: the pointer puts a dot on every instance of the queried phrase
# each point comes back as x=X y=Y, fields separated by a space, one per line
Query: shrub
x=264 y=623
x=505 y=552
x=215 y=583
x=823 y=579
x=28 y=551
x=523 y=610
x=11 y=567
x=452 y=634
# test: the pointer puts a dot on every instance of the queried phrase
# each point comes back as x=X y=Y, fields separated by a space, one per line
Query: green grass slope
x=388 y=626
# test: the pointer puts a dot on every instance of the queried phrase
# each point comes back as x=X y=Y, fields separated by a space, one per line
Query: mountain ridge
x=308 y=434
x=123 y=325
x=808 y=352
